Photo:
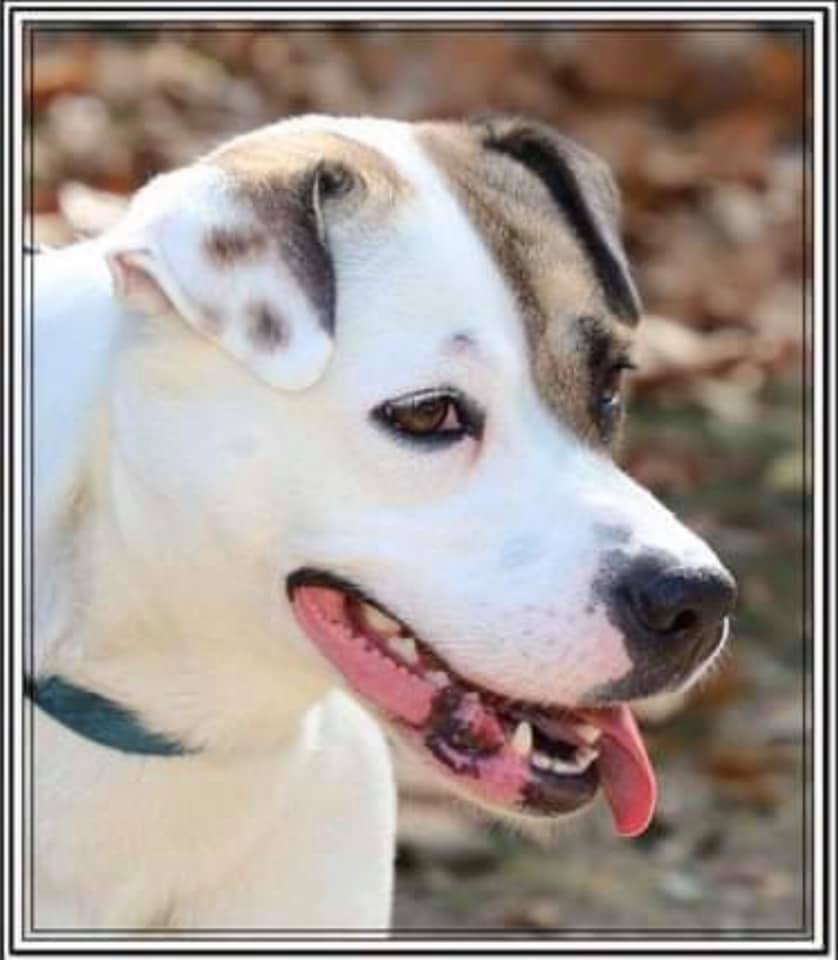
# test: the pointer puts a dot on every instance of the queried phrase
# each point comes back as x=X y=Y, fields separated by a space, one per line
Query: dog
x=324 y=431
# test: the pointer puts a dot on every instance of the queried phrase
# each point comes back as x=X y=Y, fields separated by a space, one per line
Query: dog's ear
x=583 y=189
x=255 y=277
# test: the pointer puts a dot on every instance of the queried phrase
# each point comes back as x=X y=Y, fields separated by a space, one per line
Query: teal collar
x=98 y=718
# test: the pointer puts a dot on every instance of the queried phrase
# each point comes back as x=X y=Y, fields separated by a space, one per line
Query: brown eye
x=421 y=417
x=431 y=417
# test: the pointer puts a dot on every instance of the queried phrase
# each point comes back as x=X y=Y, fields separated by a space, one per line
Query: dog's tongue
x=625 y=773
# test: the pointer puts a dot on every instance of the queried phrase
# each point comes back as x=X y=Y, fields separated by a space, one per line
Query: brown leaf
x=629 y=66
x=64 y=71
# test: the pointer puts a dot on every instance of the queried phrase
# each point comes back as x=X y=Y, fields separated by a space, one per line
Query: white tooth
x=437 y=678
x=541 y=761
x=588 y=732
x=410 y=653
x=584 y=757
x=379 y=621
x=522 y=739
x=404 y=647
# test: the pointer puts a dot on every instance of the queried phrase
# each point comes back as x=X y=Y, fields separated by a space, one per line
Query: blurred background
x=705 y=130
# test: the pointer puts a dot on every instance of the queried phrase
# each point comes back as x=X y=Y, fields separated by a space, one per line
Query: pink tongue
x=625 y=772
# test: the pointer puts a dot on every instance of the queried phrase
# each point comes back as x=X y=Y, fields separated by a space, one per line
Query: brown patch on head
x=302 y=183
x=268 y=330
x=275 y=156
x=548 y=212
x=227 y=247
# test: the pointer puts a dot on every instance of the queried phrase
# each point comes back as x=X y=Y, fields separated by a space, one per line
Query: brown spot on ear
x=268 y=329
x=228 y=247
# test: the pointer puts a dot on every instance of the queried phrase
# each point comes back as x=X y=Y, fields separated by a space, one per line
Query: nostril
x=685 y=620
x=678 y=602
x=657 y=611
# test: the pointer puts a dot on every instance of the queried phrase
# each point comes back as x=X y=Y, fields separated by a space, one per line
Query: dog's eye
x=610 y=405
x=430 y=417
x=614 y=379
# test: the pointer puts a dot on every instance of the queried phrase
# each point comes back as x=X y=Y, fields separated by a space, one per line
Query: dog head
x=396 y=394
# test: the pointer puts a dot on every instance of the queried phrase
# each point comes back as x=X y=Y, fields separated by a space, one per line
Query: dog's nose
x=672 y=618
x=675 y=607
x=679 y=602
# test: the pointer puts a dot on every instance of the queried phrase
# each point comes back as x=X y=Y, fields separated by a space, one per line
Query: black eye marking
x=430 y=418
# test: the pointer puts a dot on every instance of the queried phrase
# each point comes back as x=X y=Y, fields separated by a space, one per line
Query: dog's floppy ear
x=255 y=278
x=583 y=190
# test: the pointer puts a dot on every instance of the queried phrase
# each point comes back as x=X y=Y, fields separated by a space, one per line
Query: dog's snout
x=677 y=604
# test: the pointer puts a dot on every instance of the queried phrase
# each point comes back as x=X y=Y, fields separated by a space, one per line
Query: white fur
x=176 y=490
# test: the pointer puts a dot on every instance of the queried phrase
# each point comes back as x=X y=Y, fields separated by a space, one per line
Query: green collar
x=98 y=718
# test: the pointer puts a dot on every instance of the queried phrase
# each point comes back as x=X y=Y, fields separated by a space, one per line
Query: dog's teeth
x=405 y=648
x=562 y=766
x=437 y=678
x=588 y=732
x=409 y=651
x=522 y=739
x=379 y=621
x=584 y=757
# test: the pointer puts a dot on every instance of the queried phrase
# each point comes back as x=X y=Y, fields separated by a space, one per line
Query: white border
x=13 y=183
x=482 y=13
x=259 y=10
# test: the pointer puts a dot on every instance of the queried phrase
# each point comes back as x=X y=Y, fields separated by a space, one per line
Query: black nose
x=671 y=611
x=679 y=603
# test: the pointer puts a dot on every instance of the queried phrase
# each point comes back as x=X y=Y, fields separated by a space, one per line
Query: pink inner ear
x=136 y=286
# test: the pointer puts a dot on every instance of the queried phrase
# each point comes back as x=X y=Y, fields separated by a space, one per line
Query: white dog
x=332 y=409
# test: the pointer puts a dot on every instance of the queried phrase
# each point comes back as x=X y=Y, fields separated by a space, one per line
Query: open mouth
x=519 y=757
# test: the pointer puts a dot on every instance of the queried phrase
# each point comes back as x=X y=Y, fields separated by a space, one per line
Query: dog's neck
x=191 y=653
x=186 y=639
